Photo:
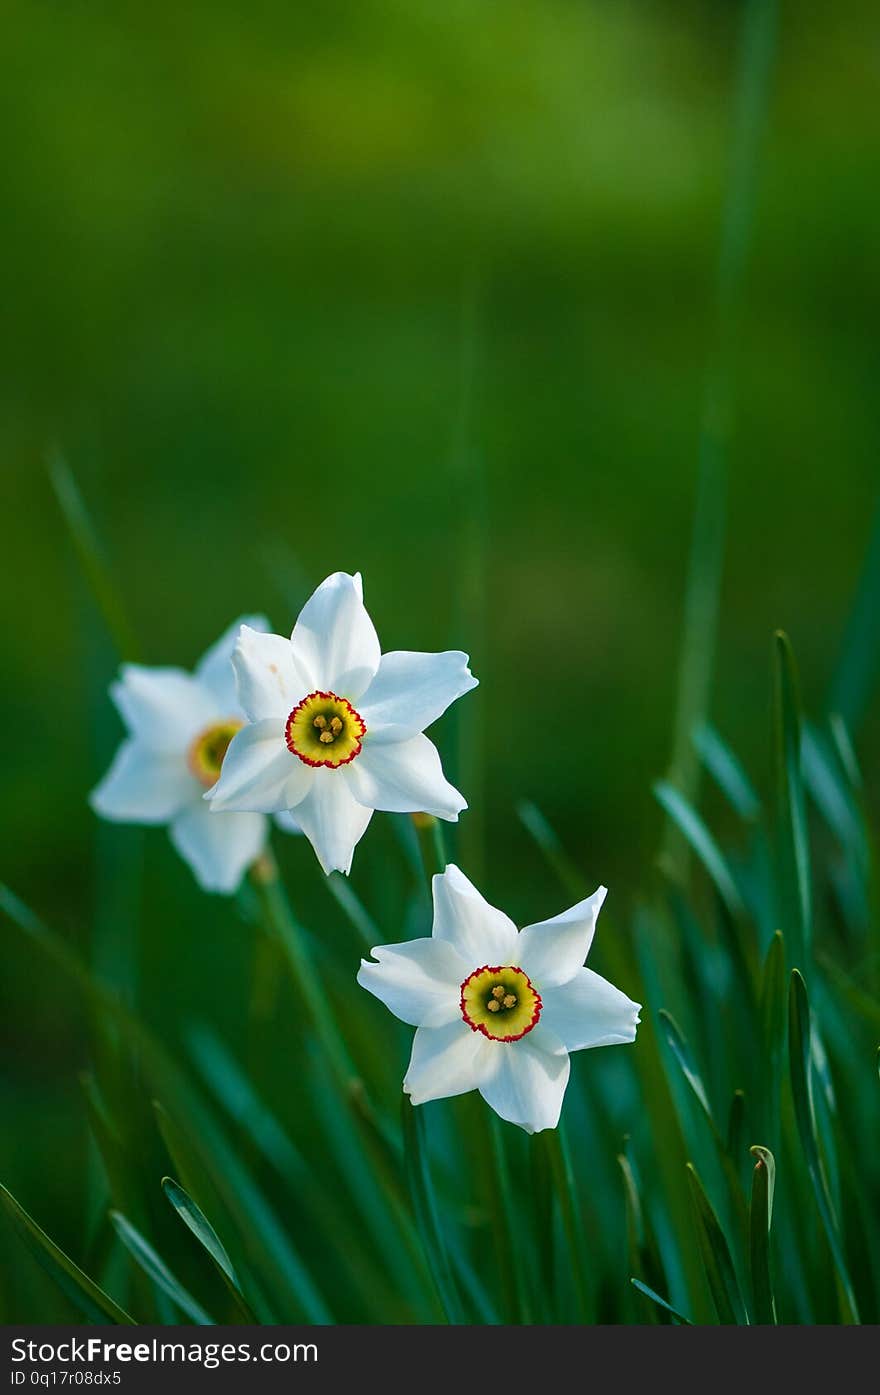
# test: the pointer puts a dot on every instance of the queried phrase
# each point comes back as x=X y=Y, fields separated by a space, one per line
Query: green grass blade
x=145 y=1256
x=760 y=1219
x=797 y=900
x=341 y=890
x=643 y=1256
x=772 y=1014
x=727 y=772
x=655 y=1298
x=95 y=1305
x=556 y=1143
x=800 y=1062
x=196 y=1221
x=678 y=1045
x=703 y=587
x=425 y=1210
x=697 y=835
x=859 y=664
x=547 y=839
x=716 y=1257
x=91 y=557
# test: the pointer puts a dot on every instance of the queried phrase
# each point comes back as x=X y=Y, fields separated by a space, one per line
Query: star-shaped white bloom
x=335 y=727
x=499 y=1009
x=179 y=727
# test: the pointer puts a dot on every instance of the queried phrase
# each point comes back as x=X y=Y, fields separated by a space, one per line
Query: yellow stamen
x=320 y=723
x=327 y=737
x=498 y=991
x=493 y=1005
x=335 y=725
x=509 y=1000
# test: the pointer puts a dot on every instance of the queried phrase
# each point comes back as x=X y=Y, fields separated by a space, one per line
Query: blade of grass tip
x=146 y=1258
x=680 y=1048
x=643 y=1255
x=655 y=1298
x=697 y=836
x=800 y=1063
x=572 y=1223
x=728 y=773
x=859 y=664
x=266 y=1240
x=716 y=1257
x=197 y=1222
x=425 y=1210
x=703 y=587
x=791 y=810
x=91 y=557
x=760 y=1219
x=534 y=821
x=91 y=1300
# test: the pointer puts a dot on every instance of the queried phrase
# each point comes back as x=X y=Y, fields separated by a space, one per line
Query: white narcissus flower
x=335 y=727
x=499 y=1009
x=179 y=728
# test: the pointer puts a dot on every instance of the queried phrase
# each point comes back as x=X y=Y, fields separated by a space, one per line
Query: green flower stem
x=432 y=844
x=510 y=1253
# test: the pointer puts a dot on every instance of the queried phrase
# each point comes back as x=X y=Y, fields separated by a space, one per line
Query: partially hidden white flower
x=335 y=727
x=179 y=727
x=499 y=1009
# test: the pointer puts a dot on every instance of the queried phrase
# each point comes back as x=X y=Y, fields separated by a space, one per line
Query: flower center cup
x=501 y=1002
x=207 y=751
x=324 y=729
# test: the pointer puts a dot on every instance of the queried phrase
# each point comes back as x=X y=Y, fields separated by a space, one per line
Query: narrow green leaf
x=760 y=1218
x=797 y=902
x=736 y=1124
x=92 y=1301
x=727 y=772
x=341 y=890
x=859 y=664
x=556 y=1143
x=702 y=842
x=655 y=1298
x=201 y=1228
x=643 y=1256
x=145 y=1256
x=715 y=1254
x=556 y=857
x=678 y=1044
x=772 y=1012
x=91 y=557
x=800 y=1062
x=425 y=1209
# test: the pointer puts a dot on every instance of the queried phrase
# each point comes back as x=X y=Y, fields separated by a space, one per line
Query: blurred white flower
x=499 y=1009
x=335 y=726
x=179 y=728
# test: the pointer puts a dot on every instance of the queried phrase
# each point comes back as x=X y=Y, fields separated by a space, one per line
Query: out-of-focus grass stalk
x=469 y=486
x=556 y=1143
x=312 y=1001
x=707 y=546
x=432 y=845
x=504 y=1230
x=91 y=557
x=859 y=664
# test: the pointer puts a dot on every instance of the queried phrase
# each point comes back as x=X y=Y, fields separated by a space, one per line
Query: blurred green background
x=426 y=291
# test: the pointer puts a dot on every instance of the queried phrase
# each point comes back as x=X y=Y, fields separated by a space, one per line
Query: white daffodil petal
x=214 y=669
x=589 y=1011
x=334 y=639
x=446 y=1061
x=552 y=951
x=411 y=690
x=269 y=683
x=404 y=777
x=332 y=819
x=218 y=847
x=163 y=707
x=259 y=774
x=481 y=933
x=144 y=786
x=527 y=1082
x=420 y=981
x=288 y=822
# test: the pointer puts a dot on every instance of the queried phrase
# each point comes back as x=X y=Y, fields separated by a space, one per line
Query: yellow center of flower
x=501 y=1002
x=325 y=730
x=207 y=751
